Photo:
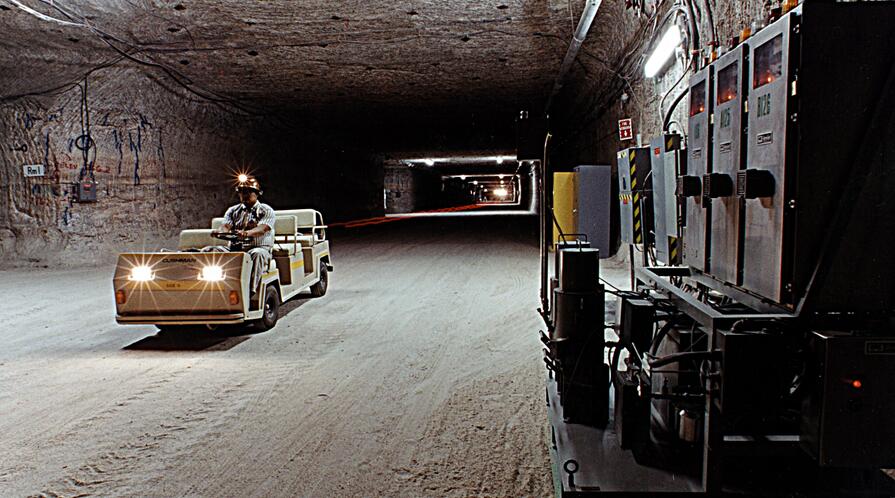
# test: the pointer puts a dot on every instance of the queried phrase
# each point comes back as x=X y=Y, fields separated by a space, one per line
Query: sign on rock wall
x=34 y=170
x=625 y=129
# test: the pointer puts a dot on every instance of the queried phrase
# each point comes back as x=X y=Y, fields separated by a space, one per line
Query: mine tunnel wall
x=160 y=162
x=163 y=161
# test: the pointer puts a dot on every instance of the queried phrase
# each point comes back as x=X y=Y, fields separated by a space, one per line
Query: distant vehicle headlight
x=212 y=273
x=141 y=273
x=500 y=192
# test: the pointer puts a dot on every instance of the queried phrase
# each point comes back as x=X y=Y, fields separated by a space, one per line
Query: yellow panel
x=565 y=202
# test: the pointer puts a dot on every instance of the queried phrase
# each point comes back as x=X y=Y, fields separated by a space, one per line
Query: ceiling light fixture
x=665 y=48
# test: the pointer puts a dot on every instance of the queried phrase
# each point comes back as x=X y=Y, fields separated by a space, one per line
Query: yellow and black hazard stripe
x=672 y=251
x=638 y=232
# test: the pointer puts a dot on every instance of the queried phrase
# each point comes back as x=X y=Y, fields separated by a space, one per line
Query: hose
x=678 y=357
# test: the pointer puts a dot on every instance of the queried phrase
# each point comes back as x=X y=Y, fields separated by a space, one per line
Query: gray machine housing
x=819 y=209
x=728 y=157
x=665 y=152
x=594 y=183
x=697 y=210
x=635 y=209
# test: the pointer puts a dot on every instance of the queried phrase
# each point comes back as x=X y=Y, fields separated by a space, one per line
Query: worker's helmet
x=248 y=183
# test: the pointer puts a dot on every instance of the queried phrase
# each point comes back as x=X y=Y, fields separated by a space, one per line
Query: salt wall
x=161 y=161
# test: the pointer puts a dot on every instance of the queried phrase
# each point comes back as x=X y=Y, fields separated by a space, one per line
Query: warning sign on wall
x=625 y=129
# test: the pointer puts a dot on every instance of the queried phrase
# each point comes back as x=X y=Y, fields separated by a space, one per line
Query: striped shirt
x=240 y=217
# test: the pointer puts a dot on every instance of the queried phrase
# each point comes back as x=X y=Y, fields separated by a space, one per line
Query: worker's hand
x=242 y=233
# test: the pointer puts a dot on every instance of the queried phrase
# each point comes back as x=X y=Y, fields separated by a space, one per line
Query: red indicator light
x=234 y=297
x=120 y=297
x=857 y=384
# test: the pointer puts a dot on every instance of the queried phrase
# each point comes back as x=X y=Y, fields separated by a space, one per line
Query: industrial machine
x=565 y=205
x=764 y=364
x=593 y=205
x=727 y=158
x=697 y=206
x=666 y=160
x=636 y=207
x=188 y=287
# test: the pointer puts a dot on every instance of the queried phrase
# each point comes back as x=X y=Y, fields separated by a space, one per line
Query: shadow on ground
x=200 y=338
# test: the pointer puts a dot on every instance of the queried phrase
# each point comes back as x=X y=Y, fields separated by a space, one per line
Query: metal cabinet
x=594 y=188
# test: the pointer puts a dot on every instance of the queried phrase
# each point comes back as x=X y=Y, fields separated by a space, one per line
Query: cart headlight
x=212 y=273
x=141 y=273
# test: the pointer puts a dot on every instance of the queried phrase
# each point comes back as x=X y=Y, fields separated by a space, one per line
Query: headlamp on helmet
x=248 y=183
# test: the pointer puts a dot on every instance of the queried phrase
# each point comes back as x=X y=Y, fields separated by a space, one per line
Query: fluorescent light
x=670 y=41
x=430 y=161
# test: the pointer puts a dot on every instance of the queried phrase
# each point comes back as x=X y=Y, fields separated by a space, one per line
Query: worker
x=250 y=219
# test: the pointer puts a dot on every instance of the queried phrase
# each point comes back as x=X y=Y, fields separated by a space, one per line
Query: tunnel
x=318 y=248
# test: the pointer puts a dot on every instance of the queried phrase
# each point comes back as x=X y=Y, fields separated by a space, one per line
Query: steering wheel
x=232 y=237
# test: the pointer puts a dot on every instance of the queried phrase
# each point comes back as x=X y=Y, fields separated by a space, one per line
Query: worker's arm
x=265 y=224
x=227 y=226
x=255 y=232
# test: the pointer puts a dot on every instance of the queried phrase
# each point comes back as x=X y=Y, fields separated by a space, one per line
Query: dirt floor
x=418 y=374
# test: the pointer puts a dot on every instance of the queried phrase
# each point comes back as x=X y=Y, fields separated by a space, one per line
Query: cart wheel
x=319 y=289
x=271 y=309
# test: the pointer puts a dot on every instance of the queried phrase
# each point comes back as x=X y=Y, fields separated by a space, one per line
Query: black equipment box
x=587 y=402
x=751 y=382
x=85 y=191
x=531 y=134
x=638 y=318
x=847 y=417
x=631 y=412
